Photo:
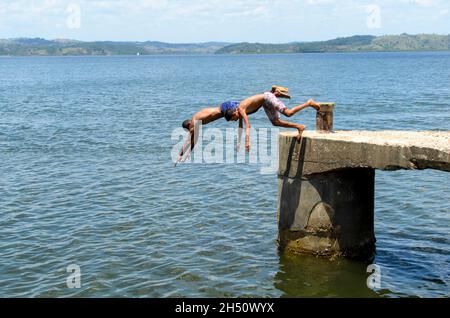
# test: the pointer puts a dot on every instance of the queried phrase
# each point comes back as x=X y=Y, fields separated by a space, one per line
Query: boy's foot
x=314 y=104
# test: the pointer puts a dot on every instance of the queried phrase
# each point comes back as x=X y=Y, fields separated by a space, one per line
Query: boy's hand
x=178 y=161
x=247 y=146
x=247 y=143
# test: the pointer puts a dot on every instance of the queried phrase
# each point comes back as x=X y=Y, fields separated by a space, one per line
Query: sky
x=181 y=21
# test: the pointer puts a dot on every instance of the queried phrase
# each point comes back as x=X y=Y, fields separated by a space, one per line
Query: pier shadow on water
x=310 y=276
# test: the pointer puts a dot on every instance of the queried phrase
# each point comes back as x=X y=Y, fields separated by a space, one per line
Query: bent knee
x=288 y=113
x=275 y=122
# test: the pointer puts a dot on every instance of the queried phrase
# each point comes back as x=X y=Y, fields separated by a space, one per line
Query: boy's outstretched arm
x=194 y=138
x=188 y=146
x=239 y=135
x=243 y=114
x=185 y=148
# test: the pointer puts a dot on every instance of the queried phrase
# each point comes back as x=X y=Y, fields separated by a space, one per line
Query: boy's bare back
x=207 y=115
x=252 y=104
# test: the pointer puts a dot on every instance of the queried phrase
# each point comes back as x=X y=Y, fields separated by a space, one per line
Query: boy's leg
x=282 y=123
x=296 y=109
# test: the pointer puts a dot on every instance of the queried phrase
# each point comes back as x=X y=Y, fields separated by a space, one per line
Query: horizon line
x=218 y=41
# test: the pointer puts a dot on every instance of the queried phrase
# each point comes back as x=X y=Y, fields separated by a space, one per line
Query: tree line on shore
x=357 y=43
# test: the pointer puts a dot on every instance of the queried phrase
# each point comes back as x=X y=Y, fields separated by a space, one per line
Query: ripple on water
x=86 y=178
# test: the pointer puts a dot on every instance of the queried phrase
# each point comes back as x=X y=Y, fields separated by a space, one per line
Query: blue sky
x=220 y=20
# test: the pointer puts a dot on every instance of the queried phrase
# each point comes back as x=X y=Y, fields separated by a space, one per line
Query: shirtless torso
x=208 y=115
x=252 y=104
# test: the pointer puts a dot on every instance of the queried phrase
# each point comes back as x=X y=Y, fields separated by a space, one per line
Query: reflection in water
x=309 y=276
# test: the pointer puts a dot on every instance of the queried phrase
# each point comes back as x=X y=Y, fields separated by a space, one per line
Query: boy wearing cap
x=273 y=108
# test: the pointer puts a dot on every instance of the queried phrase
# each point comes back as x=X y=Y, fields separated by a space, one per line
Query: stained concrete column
x=329 y=213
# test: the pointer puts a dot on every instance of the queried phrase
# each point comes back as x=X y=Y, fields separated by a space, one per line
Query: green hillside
x=363 y=43
x=24 y=46
x=404 y=42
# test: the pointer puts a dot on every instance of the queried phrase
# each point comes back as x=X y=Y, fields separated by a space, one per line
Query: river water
x=86 y=177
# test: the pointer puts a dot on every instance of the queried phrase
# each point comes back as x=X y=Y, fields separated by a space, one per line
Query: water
x=86 y=177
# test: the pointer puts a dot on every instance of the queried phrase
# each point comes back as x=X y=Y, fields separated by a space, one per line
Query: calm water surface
x=86 y=177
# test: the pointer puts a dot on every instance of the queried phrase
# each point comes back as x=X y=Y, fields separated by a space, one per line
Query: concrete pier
x=326 y=185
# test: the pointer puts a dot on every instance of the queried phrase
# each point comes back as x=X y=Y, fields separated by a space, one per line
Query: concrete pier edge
x=326 y=185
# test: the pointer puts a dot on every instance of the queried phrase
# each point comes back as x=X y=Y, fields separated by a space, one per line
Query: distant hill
x=364 y=43
x=38 y=46
x=403 y=42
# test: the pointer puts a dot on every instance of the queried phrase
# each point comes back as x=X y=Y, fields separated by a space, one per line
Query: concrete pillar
x=329 y=214
x=326 y=184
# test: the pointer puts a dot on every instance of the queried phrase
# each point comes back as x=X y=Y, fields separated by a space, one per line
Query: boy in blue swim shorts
x=227 y=110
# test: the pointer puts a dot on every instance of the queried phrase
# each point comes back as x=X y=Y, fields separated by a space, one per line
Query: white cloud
x=422 y=3
x=319 y=2
x=231 y=20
